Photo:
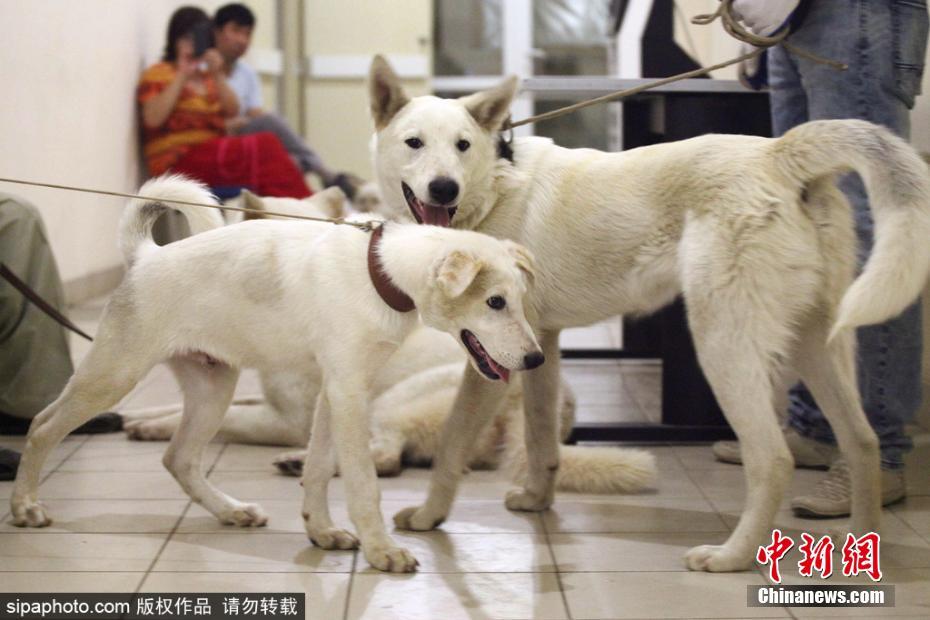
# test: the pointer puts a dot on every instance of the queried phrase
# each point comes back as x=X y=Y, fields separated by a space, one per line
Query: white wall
x=337 y=110
x=68 y=72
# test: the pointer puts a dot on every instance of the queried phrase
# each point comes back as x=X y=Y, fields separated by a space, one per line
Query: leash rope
x=365 y=226
x=731 y=25
x=31 y=295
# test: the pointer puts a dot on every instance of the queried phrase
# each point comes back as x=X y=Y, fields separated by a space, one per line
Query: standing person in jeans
x=884 y=42
x=232 y=31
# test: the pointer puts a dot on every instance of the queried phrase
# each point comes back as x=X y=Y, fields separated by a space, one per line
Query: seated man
x=35 y=361
x=232 y=29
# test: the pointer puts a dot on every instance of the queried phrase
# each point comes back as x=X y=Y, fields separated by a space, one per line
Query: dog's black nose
x=533 y=360
x=443 y=190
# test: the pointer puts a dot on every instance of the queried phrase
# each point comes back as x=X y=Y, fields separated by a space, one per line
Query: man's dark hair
x=182 y=24
x=236 y=13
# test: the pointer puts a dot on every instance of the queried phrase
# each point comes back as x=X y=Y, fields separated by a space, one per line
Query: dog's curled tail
x=898 y=184
x=588 y=469
x=135 y=227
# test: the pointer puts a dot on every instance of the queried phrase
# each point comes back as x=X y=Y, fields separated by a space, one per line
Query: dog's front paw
x=245 y=515
x=521 y=499
x=716 y=559
x=149 y=430
x=391 y=559
x=417 y=519
x=333 y=538
x=30 y=514
x=290 y=463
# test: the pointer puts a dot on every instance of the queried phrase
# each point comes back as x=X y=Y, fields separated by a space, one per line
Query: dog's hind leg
x=738 y=365
x=747 y=283
x=319 y=468
x=208 y=387
x=828 y=370
x=106 y=375
x=475 y=404
x=541 y=430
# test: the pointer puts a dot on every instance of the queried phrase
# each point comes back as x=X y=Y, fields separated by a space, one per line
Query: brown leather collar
x=392 y=296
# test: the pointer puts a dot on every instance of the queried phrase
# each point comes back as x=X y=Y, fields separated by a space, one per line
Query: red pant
x=257 y=161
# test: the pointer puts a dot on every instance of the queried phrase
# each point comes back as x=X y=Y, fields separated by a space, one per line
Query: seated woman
x=185 y=101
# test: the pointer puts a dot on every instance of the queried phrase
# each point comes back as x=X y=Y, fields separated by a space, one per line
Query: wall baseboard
x=93 y=285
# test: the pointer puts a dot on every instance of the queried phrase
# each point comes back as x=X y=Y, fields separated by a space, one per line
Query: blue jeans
x=884 y=42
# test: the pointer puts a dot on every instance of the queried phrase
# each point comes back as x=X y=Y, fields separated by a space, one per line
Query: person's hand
x=764 y=17
x=213 y=61
x=187 y=68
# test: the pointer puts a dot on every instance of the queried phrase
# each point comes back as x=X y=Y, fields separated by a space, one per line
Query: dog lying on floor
x=411 y=396
x=271 y=295
x=752 y=231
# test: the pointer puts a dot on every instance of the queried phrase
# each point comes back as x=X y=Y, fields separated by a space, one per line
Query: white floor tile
x=633 y=551
x=31 y=551
x=663 y=595
x=441 y=552
x=253 y=551
x=60 y=581
x=915 y=511
x=456 y=596
x=633 y=514
x=111 y=485
x=116 y=453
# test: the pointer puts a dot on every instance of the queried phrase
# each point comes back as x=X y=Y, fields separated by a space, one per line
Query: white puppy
x=271 y=294
x=752 y=231
x=412 y=394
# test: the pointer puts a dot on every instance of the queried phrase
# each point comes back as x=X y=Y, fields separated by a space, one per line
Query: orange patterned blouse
x=196 y=118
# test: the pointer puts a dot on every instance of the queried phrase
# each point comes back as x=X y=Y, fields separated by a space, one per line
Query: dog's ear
x=456 y=272
x=524 y=259
x=251 y=201
x=332 y=201
x=490 y=107
x=385 y=93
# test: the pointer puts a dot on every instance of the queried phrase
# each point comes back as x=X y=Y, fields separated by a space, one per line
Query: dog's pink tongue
x=436 y=216
x=503 y=373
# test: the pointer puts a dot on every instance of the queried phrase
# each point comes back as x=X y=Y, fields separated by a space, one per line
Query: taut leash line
x=361 y=225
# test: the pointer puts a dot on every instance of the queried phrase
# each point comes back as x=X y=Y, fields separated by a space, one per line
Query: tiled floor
x=122 y=524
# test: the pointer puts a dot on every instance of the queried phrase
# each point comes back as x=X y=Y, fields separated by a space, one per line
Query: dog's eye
x=413 y=143
x=497 y=302
x=462 y=145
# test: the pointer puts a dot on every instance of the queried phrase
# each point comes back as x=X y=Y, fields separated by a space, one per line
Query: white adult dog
x=412 y=393
x=271 y=294
x=752 y=230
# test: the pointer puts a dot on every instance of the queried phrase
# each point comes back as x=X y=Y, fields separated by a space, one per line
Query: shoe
x=831 y=497
x=108 y=422
x=9 y=463
x=808 y=453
